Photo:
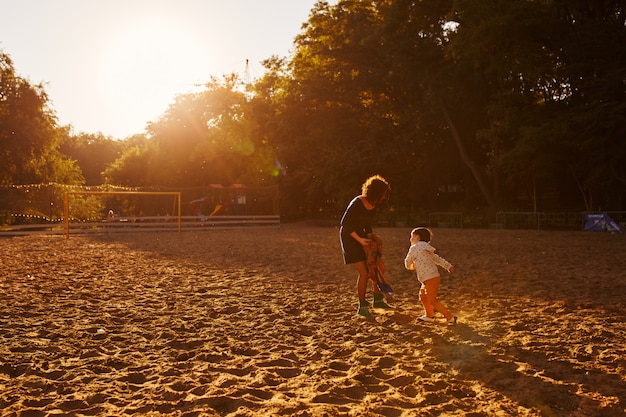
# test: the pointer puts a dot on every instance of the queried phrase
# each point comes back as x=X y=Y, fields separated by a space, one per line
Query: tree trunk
x=467 y=160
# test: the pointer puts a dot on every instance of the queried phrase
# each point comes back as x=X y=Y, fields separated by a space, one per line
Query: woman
x=356 y=223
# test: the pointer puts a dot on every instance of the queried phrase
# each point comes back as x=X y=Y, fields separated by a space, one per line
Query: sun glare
x=147 y=65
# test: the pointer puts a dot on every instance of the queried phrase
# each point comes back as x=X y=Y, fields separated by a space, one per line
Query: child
x=422 y=258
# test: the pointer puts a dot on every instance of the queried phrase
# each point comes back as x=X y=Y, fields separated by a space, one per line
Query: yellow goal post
x=66 y=202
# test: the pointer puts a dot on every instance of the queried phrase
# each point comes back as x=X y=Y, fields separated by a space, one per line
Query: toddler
x=422 y=259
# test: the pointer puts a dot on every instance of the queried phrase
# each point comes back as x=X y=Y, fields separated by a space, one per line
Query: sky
x=112 y=66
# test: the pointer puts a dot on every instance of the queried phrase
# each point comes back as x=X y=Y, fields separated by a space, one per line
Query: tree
x=433 y=135
x=134 y=167
x=355 y=100
x=29 y=136
x=432 y=94
x=202 y=138
x=93 y=153
x=331 y=106
x=560 y=64
x=592 y=54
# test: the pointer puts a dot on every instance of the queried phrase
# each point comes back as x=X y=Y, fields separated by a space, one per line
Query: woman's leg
x=361 y=289
x=361 y=281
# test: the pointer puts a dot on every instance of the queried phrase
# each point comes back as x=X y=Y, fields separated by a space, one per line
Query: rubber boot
x=364 y=310
x=379 y=301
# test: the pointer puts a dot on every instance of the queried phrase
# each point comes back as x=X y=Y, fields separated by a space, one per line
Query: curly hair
x=375 y=189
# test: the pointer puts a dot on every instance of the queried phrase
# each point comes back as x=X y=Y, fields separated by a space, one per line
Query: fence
x=46 y=208
x=524 y=220
x=540 y=220
x=144 y=224
x=39 y=208
x=445 y=219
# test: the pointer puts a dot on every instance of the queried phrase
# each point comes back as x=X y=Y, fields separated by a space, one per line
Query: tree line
x=474 y=106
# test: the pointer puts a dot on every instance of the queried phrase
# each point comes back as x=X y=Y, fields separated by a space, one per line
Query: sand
x=262 y=323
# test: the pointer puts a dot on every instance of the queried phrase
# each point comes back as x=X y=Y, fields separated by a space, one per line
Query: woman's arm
x=362 y=241
x=350 y=221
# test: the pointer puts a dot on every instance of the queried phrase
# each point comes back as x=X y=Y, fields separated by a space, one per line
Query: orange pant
x=428 y=296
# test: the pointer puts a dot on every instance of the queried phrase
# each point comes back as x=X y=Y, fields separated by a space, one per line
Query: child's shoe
x=364 y=310
x=426 y=319
x=379 y=301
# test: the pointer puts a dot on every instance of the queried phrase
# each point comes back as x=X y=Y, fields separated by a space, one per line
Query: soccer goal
x=121 y=211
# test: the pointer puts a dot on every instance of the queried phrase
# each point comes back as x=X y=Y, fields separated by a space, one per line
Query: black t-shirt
x=357 y=218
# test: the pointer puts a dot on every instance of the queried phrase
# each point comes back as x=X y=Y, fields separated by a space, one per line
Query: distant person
x=422 y=259
x=356 y=224
x=111 y=215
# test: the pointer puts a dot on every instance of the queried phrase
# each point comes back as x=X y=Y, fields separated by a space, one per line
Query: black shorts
x=352 y=250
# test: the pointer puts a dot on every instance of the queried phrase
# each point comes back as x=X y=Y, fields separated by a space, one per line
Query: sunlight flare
x=148 y=65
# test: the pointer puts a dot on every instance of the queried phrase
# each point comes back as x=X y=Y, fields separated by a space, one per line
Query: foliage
x=29 y=136
x=93 y=153
x=202 y=138
x=555 y=116
x=475 y=106
x=433 y=96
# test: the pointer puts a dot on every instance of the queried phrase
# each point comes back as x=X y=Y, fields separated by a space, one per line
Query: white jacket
x=423 y=259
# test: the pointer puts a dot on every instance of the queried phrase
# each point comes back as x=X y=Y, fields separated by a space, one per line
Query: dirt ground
x=261 y=322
